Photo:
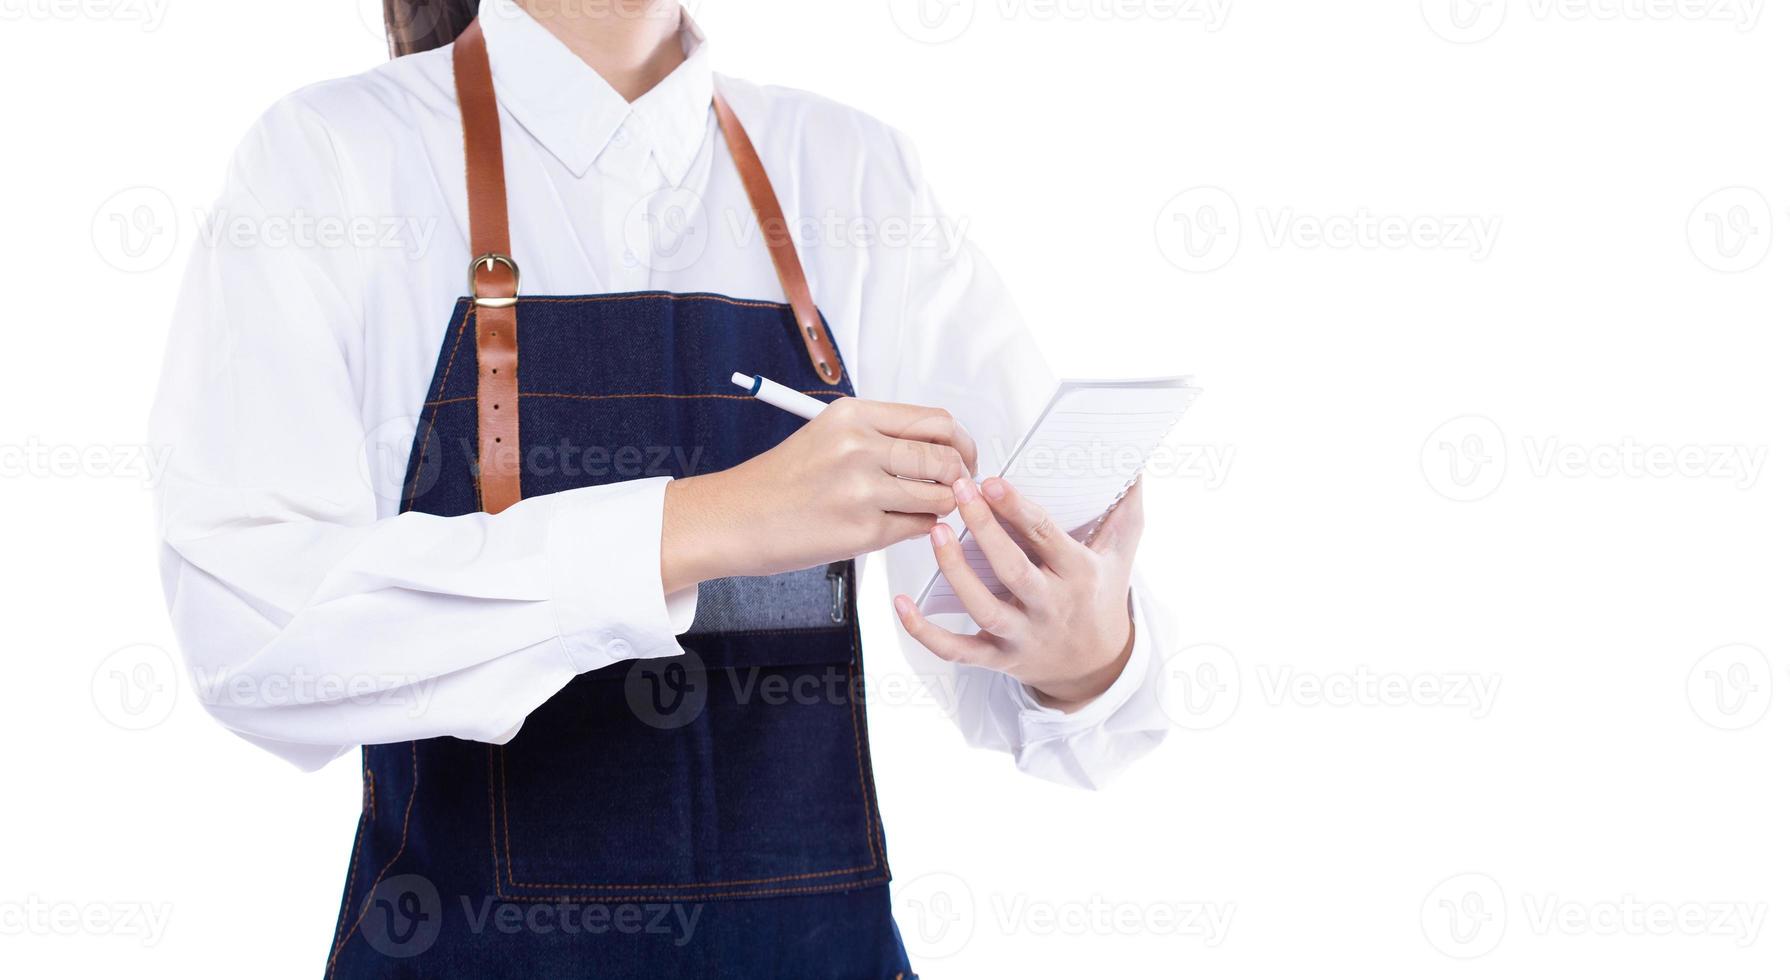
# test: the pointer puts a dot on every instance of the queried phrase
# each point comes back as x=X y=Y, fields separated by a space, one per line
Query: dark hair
x=423 y=25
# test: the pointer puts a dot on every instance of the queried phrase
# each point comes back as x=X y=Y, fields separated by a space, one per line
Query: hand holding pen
x=860 y=476
x=1066 y=631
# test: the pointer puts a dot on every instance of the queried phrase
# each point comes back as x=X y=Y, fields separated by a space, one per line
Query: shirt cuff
x=608 y=596
x=1038 y=723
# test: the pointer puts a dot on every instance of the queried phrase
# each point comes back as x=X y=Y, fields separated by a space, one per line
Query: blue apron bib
x=709 y=815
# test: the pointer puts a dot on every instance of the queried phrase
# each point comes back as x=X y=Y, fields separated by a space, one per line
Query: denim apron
x=709 y=815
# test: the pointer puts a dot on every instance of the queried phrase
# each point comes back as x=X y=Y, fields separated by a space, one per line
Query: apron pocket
x=740 y=769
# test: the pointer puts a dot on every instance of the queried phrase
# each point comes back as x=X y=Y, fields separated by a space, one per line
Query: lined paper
x=1086 y=449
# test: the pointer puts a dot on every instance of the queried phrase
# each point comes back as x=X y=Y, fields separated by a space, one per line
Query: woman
x=554 y=616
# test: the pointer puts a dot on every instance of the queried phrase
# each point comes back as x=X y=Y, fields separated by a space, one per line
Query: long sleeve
x=312 y=617
x=961 y=344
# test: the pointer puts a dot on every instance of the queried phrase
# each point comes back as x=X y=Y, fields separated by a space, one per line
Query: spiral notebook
x=1090 y=444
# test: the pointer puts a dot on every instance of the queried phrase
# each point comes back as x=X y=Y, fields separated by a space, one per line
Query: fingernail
x=941 y=535
x=965 y=491
x=994 y=487
x=903 y=606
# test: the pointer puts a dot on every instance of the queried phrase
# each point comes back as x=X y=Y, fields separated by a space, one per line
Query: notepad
x=1090 y=444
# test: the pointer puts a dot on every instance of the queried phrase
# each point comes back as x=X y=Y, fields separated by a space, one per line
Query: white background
x=1140 y=172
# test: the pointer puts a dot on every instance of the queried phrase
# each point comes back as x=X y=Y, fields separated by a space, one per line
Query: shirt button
x=621 y=649
x=621 y=137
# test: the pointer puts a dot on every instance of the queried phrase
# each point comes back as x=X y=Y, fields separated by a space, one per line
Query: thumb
x=1123 y=528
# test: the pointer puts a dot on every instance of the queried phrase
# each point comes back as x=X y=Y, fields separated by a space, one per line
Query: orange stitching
x=503 y=773
x=429 y=433
x=491 y=795
x=674 y=297
x=759 y=893
x=709 y=884
x=353 y=864
x=403 y=839
x=870 y=836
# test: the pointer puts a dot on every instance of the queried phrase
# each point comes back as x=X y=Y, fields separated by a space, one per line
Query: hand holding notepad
x=1077 y=461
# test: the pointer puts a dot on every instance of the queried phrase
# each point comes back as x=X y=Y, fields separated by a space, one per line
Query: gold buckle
x=490 y=261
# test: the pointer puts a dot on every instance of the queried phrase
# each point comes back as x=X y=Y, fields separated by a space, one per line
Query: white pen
x=772 y=393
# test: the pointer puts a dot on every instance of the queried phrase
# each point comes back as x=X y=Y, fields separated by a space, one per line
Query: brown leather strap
x=495 y=277
x=496 y=280
x=782 y=244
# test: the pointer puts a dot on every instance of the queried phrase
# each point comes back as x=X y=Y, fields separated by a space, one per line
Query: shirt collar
x=573 y=112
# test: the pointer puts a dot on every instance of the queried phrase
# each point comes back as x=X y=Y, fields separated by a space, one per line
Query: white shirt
x=313 y=616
